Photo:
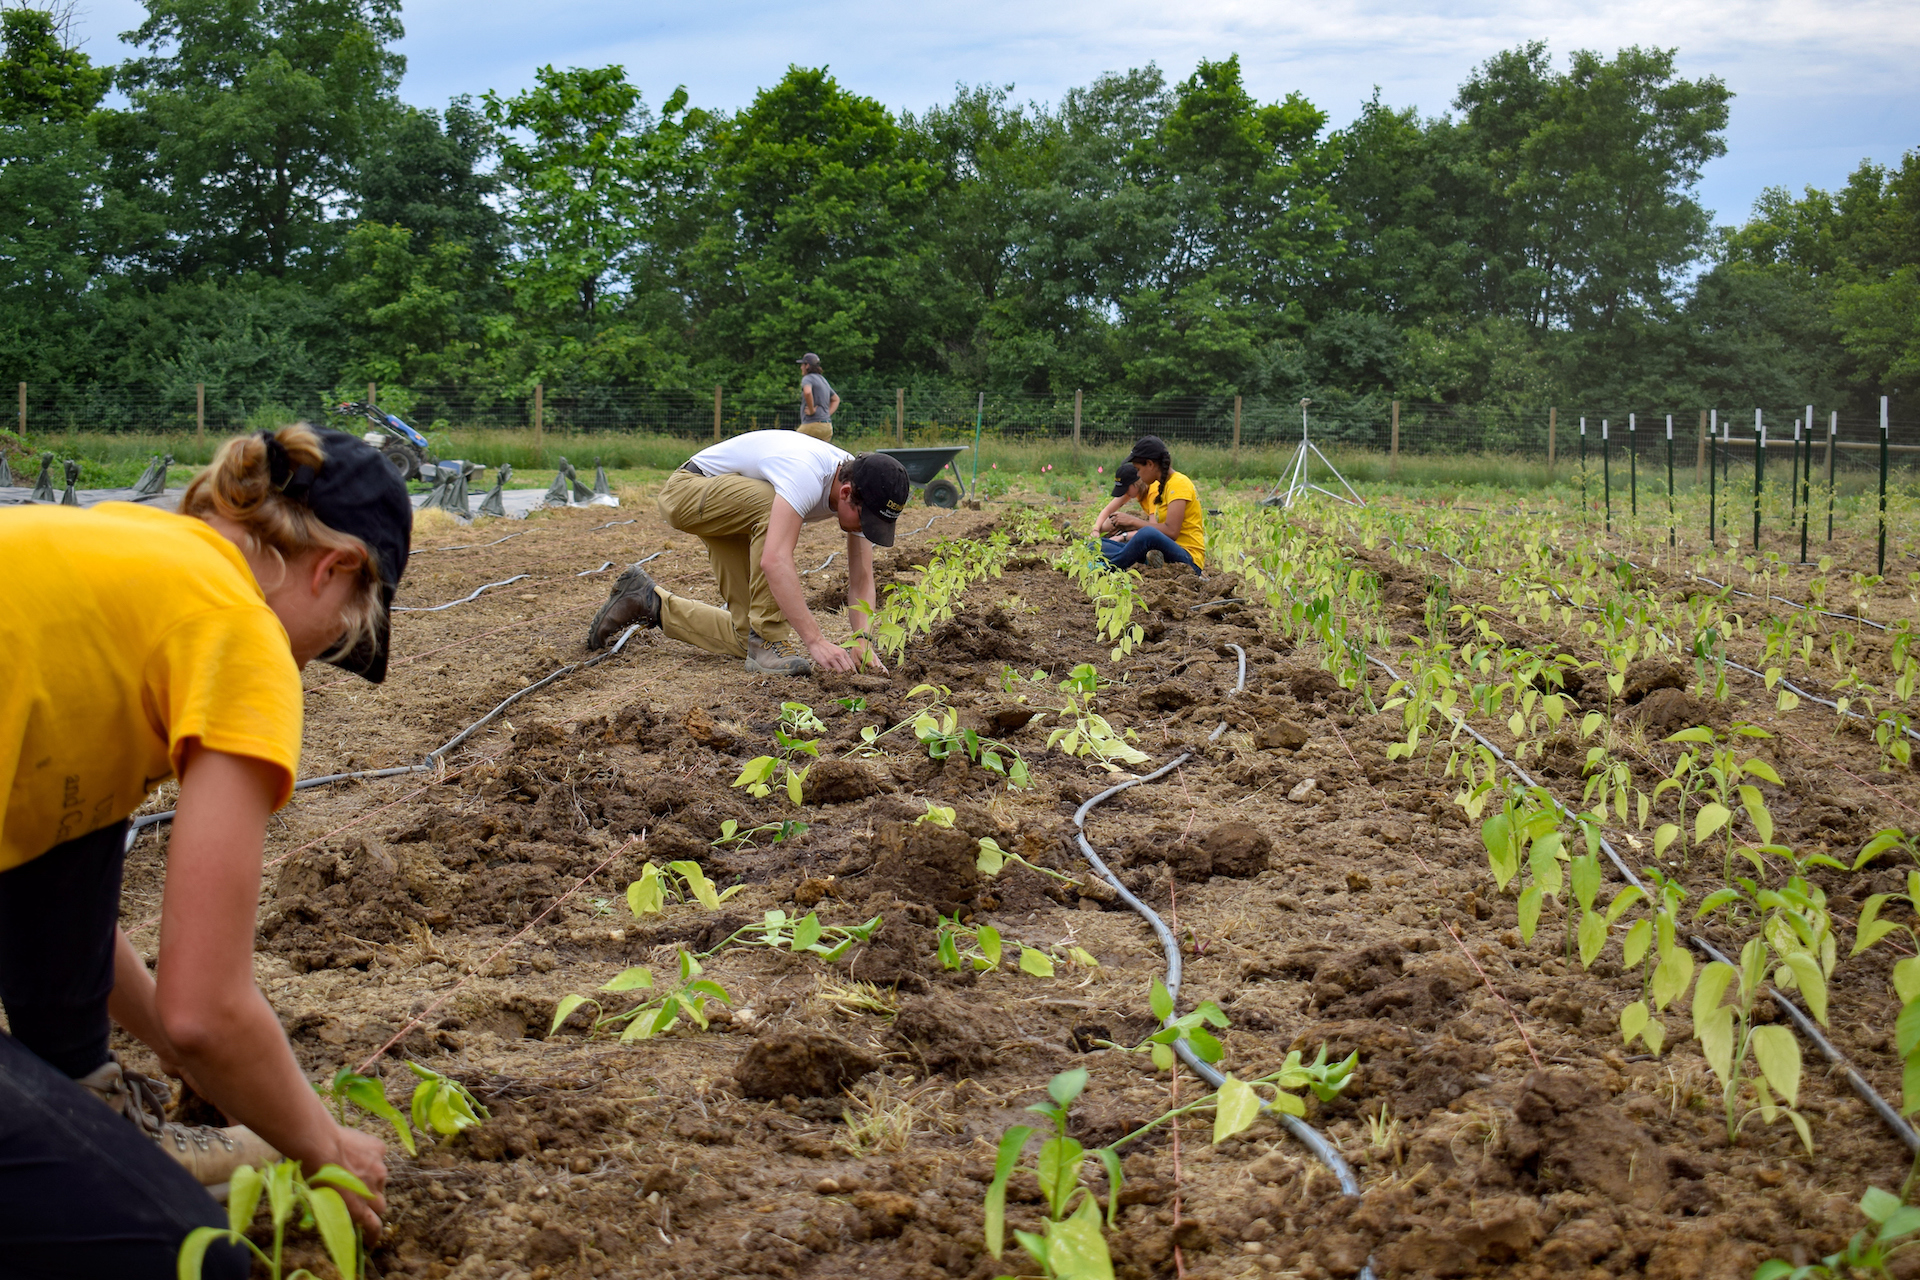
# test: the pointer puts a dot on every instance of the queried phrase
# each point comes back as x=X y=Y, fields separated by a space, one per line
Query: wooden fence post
x=199 y=415
x=372 y=391
x=1236 y=431
x=900 y=415
x=1393 y=456
x=23 y=408
x=1553 y=425
x=716 y=412
x=539 y=423
x=1076 y=426
x=1700 y=451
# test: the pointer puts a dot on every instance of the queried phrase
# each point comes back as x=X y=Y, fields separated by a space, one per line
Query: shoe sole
x=788 y=668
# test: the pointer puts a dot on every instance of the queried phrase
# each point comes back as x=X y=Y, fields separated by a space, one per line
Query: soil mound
x=803 y=1064
x=944 y=1034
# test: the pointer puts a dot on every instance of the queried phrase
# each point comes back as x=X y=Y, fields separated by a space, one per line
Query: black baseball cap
x=355 y=491
x=808 y=358
x=1125 y=476
x=880 y=487
x=1148 y=449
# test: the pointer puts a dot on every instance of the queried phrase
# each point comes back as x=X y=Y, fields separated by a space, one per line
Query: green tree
x=809 y=238
x=249 y=121
x=39 y=79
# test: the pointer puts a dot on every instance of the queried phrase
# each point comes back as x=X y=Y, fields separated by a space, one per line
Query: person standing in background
x=817 y=400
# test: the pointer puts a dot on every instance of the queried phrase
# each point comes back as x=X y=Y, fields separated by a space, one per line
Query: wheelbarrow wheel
x=942 y=493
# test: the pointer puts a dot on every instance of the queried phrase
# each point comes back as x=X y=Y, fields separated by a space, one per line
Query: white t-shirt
x=799 y=468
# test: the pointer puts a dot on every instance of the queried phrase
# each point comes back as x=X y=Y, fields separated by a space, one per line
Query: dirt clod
x=805 y=1064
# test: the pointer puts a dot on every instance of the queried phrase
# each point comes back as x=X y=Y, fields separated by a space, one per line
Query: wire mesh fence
x=1100 y=419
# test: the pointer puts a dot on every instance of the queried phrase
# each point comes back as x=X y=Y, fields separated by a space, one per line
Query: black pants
x=82 y=1191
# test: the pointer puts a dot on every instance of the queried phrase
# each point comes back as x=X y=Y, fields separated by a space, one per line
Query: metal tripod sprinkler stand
x=1296 y=486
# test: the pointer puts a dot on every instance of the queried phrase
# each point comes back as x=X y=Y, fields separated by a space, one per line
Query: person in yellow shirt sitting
x=144 y=645
x=1174 y=527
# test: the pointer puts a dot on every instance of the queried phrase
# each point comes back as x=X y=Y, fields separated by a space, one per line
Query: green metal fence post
x=1759 y=471
x=1633 y=469
x=1583 y=471
x=1806 y=484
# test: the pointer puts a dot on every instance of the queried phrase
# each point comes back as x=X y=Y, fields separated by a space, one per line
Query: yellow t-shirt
x=127 y=634
x=1193 y=526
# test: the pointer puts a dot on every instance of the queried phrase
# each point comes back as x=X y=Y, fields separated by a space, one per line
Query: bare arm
x=833 y=404
x=861 y=599
x=776 y=562
x=1102 y=522
x=806 y=398
x=205 y=1010
x=1175 y=517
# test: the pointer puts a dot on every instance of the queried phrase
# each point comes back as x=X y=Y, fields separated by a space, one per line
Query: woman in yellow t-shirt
x=1174 y=528
x=144 y=645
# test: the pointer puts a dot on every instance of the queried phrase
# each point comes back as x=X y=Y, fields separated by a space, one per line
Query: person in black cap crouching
x=747 y=498
x=147 y=645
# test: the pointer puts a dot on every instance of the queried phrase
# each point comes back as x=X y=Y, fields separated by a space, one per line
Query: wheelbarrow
x=923 y=470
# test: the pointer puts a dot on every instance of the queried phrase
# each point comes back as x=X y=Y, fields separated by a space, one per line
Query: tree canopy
x=263 y=213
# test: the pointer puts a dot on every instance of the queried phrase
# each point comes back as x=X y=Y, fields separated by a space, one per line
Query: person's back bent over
x=747 y=500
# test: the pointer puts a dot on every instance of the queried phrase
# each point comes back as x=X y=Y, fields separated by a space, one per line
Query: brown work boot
x=633 y=599
x=211 y=1155
x=776 y=657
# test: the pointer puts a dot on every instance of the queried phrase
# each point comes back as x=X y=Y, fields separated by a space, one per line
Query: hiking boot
x=776 y=657
x=1156 y=559
x=633 y=599
x=211 y=1155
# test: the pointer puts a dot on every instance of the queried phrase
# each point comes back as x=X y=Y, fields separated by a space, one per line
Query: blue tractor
x=398 y=443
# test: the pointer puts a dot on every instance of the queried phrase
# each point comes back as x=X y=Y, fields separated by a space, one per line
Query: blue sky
x=1819 y=84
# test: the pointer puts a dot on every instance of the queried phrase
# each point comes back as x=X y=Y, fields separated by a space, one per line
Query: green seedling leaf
x=1715 y=1034
x=992 y=857
x=1067 y=1086
x=1116 y=1179
x=1906 y=979
x=1906 y=1030
x=193 y=1250
x=1778 y=1054
x=806 y=934
x=988 y=939
x=697 y=883
x=1711 y=989
x=1529 y=911
x=1160 y=1000
x=335 y=1224
x=1633 y=1020
x=243 y=1198
x=757 y=771
x=1011 y=1144
x=1076 y=1248
x=1709 y=819
x=1592 y=938
x=1670 y=977
x=637 y=978
x=1163 y=1058
x=938 y=815
x=1036 y=962
x=1206 y=1046
x=1633 y=947
x=564 y=1010
x=1812 y=983
x=1236 y=1109
x=647 y=895
x=370 y=1096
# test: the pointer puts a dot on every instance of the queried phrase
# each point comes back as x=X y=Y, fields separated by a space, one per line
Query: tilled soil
x=840 y=1120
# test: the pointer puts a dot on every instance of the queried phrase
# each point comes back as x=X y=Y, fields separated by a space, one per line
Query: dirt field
x=840 y=1120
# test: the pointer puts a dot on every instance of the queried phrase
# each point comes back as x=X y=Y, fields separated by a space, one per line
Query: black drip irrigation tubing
x=1811 y=697
x=1721 y=586
x=435 y=758
x=401 y=608
x=1309 y=1137
x=1867 y=1092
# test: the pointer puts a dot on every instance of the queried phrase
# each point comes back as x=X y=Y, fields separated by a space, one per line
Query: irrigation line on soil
x=823 y=564
x=1867 y=1092
x=588 y=573
x=140 y=824
x=1812 y=697
x=1311 y=1138
x=439 y=753
x=609 y=524
x=469 y=546
x=401 y=608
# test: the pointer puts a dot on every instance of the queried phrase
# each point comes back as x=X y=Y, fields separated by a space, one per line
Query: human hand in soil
x=867 y=658
x=365 y=1157
x=829 y=656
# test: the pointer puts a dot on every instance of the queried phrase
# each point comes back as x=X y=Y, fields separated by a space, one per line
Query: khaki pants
x=818 y=430
x=729 y=514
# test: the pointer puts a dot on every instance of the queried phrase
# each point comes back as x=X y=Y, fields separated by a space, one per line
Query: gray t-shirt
x=822 y=397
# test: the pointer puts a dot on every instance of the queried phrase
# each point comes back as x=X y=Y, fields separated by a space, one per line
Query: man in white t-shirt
x=747 y=498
